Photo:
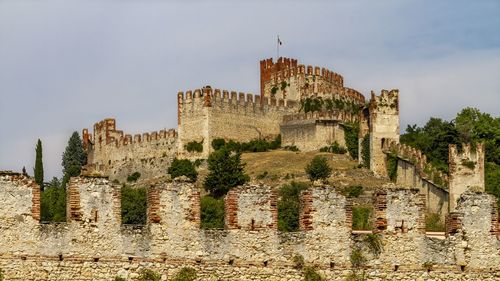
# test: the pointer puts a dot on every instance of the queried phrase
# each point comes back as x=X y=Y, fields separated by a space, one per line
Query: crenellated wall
x=312 y=131
x=206 y=114
x=294 y=81
x=117 y=155
x=93 y=245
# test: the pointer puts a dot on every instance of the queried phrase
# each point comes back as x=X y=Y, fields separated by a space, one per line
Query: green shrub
x=361 y=218
x=469 y=163
x=365 y=152
x=392 y=167
x=334 y=148
x=374 y=243
x=134 y=205
x=310 y=274
x=353 y=191
x=289 y=206
x=1 y=274
x=225 y=172
x=357 y=258
x=185 y=274
x=298 y=261
x=351 y=132
x=183 y=167
x=318 y=169
x=433 y=222
x=118 y=278
x=212 y=213
x=133 y=177
x=148 y=275
x=262 y=176
x=291 y=148
x=194 y=146
x=218 y=143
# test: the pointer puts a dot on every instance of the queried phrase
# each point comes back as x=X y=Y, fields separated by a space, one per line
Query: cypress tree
x=73 y=158
x=38 y=171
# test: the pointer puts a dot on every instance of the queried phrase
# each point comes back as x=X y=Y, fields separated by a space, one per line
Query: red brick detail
x=453 y=222
x=273 y=202
x=117 y=204
x=73 y=201
x=421 y=213
x=35 y=199
x=231 y=209
x=348 y=212
x=306 y=210
x=495 y=220
x=154 y=205
x=195 y=212
x=380 y=207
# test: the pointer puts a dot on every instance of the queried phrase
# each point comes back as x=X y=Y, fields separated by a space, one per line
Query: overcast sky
x=66 y=64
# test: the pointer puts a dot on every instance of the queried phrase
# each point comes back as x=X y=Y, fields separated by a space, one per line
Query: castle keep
x=94 y=244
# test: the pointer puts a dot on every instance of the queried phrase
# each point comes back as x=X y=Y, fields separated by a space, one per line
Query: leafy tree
x=225 y=172
x=318 y=169
x=53 y=202
x=134 y=205
x=74 y=157
x=351 y=132
x=289 y=206
x=183 y=167
x=212 y=212
x=39 y=164
x=218 y=143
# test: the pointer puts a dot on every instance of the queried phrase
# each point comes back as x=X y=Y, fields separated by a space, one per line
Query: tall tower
x=384 y=126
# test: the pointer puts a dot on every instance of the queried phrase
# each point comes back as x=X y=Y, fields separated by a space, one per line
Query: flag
x=279 y=41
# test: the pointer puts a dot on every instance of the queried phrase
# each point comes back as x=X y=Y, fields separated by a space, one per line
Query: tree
x=225 y=172
x=183 y=167
x=212 y=213
x=134 y=205
x=318 y=169
x=289 y=206
x=53 y=202
x=74 y=157
x=38 y=171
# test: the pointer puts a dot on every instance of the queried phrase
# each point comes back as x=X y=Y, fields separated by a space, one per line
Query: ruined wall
x=384 y=127
x=117 y=155
x=210 y=114
x=93 y=245
x=291 y=81
x=466 y=169
x=312 y=131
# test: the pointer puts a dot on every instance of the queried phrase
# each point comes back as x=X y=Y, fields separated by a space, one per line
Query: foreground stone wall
x=117 y=155
x=93 y=245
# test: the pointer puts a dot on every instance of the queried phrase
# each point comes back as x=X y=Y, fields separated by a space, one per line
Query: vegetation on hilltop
x=469 y=126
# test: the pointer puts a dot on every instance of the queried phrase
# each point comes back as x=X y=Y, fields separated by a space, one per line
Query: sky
x=65 y=65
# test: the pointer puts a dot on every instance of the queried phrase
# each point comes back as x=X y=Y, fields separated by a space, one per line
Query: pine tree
x=38 y=171
x=73 y=158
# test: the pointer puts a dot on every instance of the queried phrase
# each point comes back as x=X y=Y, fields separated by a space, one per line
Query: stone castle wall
x=93 y=245
x=294 y=81
x=206 y=114
x=312 y=131
x=117 y=155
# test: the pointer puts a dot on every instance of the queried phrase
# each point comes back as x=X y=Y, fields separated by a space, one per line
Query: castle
x=93 y=244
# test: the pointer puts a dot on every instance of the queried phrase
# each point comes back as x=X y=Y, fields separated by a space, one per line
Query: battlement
x=107 y=128
x=337 y=115
x=208 y=97
x=387 y=102
x=414 y=156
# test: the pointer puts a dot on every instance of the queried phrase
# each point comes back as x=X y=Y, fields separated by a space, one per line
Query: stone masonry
x=94 y=245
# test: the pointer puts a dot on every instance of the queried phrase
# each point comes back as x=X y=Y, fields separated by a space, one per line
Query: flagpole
x=278 y=48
